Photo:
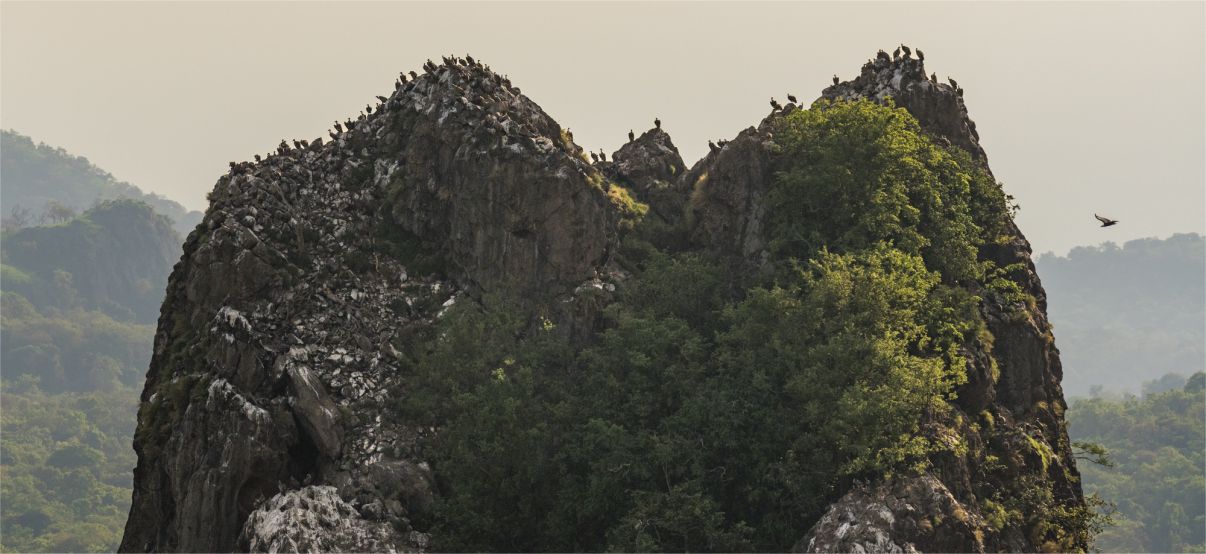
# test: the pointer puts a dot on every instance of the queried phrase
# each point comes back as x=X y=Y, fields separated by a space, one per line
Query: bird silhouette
x=631 y=135
x=1105 y=221
x=836 y=80
x=791 y=98
x=657 y=123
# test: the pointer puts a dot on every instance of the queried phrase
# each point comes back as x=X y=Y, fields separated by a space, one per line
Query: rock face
x=316 y=519
x=916 y=514
x=290 y=315
x=276 y=342
x=650 y=166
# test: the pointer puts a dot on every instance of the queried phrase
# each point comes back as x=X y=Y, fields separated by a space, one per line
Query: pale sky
x=1082 y=107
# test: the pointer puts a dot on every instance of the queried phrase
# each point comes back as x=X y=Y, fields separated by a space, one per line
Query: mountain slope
x=37 y=175
x=447 y=329
x=1130 y=314
x=114 y=257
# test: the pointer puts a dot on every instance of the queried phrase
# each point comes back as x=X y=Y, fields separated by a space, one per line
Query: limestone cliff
x=264 y=423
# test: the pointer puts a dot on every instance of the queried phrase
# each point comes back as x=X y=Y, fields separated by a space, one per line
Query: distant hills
x=80 y=298
x=1130 y=314
x=38 y=178
x=114 y=258
x=82 y=274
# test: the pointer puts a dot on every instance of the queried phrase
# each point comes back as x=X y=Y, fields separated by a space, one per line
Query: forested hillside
x=1130 y=314
x=44 y=184
x=1157 y=442
x=79 y=302
x=114 y=259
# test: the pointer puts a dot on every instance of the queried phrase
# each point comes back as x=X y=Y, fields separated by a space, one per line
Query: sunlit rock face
x=265 y=422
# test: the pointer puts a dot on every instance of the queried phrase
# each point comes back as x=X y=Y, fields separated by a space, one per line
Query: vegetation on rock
x=712 y=413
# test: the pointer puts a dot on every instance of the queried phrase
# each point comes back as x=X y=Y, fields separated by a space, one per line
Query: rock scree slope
x=263 y=423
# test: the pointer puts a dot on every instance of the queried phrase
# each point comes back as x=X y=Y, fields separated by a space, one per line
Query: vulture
x=906 y=50
x=920 y=55
x=594 y=157
x=657 y=123
x=631 y=135
x=836 y=80
x=257 y=158
x=896 y=54
x=1105 y=221
x=712 y=146
x=791 y=98
x=775 y=105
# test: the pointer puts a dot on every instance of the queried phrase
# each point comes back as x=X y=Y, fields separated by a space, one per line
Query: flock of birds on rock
x=406 y=81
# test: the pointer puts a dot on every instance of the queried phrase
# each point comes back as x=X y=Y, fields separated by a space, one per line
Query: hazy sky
x=1082 y=107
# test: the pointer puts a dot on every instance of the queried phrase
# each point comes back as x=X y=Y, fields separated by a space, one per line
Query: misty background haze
x=120 y=110
x=1083 y=107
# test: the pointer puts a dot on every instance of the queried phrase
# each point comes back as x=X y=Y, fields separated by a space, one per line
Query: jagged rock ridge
x=261 y=426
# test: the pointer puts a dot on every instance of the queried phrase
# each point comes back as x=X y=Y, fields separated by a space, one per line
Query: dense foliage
x=80 y=298
x=78 y=303
x=1157 y=443
x=1126 y=315
x=43 y=184
x=65 y=468
x=714 y=414
x=73 y=349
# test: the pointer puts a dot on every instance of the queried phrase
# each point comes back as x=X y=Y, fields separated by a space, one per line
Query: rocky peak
x=282 y=328
x=650 y=165
x=937 y=105
x=301 y=296
x=1014 y=384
